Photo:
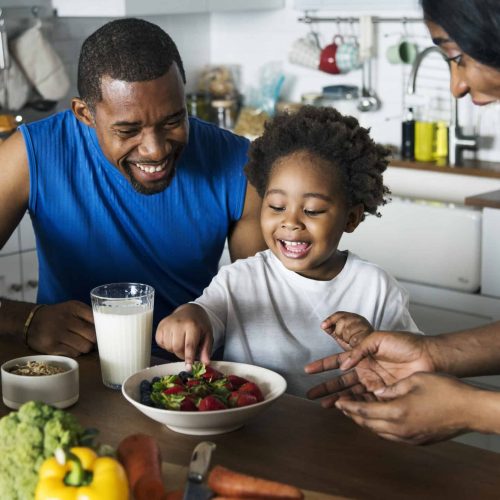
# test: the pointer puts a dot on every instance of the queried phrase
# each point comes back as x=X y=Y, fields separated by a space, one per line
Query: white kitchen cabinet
x=119 y=8
x=11 y=285
x=19 y=264
x=353 y=5
x=29 y=276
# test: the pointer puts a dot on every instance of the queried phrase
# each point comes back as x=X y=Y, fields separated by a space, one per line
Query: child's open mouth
x=294 y=249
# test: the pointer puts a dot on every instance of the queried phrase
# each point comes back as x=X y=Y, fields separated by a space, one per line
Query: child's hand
x=348 y=329
x=184 y=331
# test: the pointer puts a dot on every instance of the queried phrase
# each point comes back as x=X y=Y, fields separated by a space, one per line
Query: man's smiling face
x=142 y=128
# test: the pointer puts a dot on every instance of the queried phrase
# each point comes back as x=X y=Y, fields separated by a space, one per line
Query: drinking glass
x=123 y=317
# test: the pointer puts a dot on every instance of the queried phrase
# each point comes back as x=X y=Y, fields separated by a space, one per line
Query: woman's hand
x=423 y=408
x=185 y=331
x=348 y=329
x=381 y=359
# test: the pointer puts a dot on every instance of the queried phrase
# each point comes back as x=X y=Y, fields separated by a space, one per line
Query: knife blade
x=198 y=467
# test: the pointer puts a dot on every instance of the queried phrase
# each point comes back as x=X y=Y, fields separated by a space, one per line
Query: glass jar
x=198 y=105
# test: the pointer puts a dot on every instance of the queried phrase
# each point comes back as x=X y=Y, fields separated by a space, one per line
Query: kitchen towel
x=41 y=64
x=14 y=87
x=366 y=38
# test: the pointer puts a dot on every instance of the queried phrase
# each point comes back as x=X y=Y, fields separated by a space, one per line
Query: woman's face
x=467 y=75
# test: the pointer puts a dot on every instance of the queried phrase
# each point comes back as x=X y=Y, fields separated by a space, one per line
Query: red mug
x=328 y=57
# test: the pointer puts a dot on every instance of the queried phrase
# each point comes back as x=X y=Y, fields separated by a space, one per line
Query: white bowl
x=203 y=423
x=60 y=390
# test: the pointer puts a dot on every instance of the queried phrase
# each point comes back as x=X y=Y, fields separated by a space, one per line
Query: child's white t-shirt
x=270 y=316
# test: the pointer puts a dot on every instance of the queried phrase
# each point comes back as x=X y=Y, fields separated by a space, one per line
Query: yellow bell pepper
x=81 y=475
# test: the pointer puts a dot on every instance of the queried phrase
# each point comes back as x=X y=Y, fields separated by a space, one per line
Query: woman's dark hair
x=132 y=50
x=474 y=25
x=339 y=140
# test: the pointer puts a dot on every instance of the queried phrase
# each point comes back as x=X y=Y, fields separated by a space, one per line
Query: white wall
x=253 y=39
x=190 y=32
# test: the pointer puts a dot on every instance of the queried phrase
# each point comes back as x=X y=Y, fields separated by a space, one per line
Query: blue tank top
x=92 y=227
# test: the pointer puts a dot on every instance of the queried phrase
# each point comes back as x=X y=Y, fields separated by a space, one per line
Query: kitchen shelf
x=471 y=167
x=119 y=8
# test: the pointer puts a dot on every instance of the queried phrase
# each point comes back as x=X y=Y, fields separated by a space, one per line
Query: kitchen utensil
x=198 y=467
x=369 y=100
x=202 y=423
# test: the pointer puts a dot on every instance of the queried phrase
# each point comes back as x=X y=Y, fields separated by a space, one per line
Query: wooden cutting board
x=174 y=477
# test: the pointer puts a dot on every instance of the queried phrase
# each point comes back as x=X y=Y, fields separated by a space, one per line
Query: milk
x=123 y=329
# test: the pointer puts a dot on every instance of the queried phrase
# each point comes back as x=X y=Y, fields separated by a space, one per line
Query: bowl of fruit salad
x=210 y=399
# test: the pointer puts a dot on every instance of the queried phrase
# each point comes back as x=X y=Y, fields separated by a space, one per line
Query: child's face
x=304 y=214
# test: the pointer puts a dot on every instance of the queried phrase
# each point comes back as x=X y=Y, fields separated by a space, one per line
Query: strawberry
x=175 y=389
x=236 y=381
x=252 y=389
x=188 y=405
x=211 y=403
x=238 y=399
x=211 y=374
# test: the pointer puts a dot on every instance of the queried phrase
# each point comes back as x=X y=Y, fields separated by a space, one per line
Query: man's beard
x=140 y=188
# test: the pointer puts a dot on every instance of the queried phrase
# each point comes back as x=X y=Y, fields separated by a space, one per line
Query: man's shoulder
x=63 y=120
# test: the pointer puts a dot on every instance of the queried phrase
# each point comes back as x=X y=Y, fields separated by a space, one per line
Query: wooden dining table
x=298 y=442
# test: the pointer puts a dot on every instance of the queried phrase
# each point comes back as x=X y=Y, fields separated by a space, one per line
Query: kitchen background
x=444 y=253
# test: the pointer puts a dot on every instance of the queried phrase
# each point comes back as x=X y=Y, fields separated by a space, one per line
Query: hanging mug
x=305 y=52
x=348 y=55
x=328 y=57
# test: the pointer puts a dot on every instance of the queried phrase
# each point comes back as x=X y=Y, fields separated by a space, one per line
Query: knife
x=198 y=467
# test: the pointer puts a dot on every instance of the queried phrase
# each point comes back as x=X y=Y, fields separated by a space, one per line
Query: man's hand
x=65 y=329
x=381 y=359
x=348 y=329
x=423 y=408
x=184 y=331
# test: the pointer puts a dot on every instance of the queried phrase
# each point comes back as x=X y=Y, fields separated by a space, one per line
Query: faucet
x=457 y=140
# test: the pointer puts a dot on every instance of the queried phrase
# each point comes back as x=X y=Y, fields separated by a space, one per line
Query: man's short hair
x=131 y=50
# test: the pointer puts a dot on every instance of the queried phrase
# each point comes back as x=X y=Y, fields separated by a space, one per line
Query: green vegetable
x=27 y=437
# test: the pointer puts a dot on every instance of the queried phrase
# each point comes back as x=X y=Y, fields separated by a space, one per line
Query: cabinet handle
x=15 y=287
x=32 y=284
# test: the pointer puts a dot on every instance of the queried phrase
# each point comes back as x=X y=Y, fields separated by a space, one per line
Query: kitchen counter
x=298 y=442
x=486 y=200
x=471 y=167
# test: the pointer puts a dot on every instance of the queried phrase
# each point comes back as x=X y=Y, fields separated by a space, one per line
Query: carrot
x=227 y=483
x=141 y=458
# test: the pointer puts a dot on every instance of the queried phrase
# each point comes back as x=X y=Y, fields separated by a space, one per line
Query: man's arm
x=14 y=185
x=65 y=328
x=14 y=193
x=245 y=238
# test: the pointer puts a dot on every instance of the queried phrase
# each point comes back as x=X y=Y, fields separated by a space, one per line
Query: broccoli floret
x=27 y=438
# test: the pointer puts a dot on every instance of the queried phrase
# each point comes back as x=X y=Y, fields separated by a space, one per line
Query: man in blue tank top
x=124 y=187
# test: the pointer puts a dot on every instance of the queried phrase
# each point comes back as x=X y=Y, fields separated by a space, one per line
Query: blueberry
x=146 y=400
x=184 y=376
x=145 y=386
x=155 y=379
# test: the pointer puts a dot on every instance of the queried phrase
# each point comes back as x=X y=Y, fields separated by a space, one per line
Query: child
x=318 y=173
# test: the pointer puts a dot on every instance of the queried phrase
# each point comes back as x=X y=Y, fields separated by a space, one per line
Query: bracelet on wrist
x=29 y=319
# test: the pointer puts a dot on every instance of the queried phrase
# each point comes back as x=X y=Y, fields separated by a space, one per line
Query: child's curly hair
x=327 y=134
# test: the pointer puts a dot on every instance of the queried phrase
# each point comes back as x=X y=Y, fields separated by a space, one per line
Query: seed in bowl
x=203 y=389
x=36 y=369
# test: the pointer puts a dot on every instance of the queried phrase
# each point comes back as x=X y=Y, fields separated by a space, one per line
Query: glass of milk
x=123 y=317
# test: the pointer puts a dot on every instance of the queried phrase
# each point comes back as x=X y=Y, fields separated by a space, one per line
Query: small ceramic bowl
x=60 y=389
